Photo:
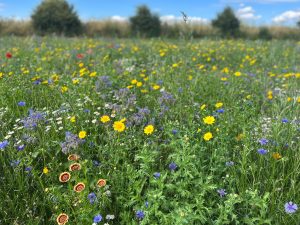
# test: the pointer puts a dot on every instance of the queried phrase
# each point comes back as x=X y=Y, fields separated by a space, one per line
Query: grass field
x=149 y=132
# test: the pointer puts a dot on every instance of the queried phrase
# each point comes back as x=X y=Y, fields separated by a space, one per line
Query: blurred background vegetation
x=58 y=17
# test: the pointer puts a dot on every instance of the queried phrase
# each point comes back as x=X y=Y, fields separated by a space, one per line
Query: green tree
x=227 y=23
x=56 y=16
x=298 y=23
x=144 y=23
x=264 y=34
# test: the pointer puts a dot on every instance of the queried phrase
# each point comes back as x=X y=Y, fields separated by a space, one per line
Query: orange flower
x=79 y=187
x=64 y=177
x=74 y=166
x=62 y=219
x=73 y=157
x=101 y=182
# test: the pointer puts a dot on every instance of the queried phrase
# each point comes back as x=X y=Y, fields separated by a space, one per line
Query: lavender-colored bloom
x=172 y=166
x=285 y=120
x=230 y=163
x=33 y=119
x=290 y=207
x=97 y=218
x=140 y=214
x=156 y=175
x=222 y=192
x=263 y=141
x=71 y=142
x=92 y=197
x=166 y=98
x=28 y=168
x=20 y=147
x=174 y=131
x=3 y=144
x=21 y=103
x=262 y=151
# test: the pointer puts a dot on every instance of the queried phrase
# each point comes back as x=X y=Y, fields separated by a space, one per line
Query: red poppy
x=79 y=56
x=101 y=182
x=8 y=55
x=79 y=187
x=62 y=219
x=64 y=177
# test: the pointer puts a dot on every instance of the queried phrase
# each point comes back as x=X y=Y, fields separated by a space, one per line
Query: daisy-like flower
x=62 y=219
x=79 y=187
x=74 y=167
x=149 y=129
x=119 y=126
x=104 y=119
x=101 y=182
x=64 y=177
x=209 y=120
x=73 y=157
x=82 y=134
x=207 y=136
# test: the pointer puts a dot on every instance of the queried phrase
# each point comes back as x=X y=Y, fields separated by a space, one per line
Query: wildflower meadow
x=133 y=131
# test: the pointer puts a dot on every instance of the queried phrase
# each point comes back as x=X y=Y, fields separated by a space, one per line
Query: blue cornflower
x=97 y=218
x=285 y=120
x=92 y=197
x=156 y=175
x=20 y=147
x=3 y=144
x=220 y=111
x=290 y=207
x=174 y=131
x=222 y=192
x=172 y=166
x=140 y=214
x=263 y=141
x=21 y=103
x=96 y=163
x=28 y=168
x=262 y=151
x=146 y=204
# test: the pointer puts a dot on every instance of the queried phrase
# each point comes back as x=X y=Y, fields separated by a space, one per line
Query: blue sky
x=254 y=12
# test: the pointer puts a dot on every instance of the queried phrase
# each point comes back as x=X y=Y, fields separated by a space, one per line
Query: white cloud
x=288 y=16
x=259 y=1
x=171 y=19
x=247 y=13
x=118 y=18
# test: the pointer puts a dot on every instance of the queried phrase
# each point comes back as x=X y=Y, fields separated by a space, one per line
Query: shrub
x=227 y=23
x=144 y=23
x=264 y=34
x=56 y=16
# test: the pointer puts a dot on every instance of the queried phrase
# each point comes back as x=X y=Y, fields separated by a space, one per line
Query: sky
x=252 y=12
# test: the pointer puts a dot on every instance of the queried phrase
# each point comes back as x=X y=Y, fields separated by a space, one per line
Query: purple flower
x=146 y=204
x=92 y=197
x=262 y=151
x=28 y=168
x=172 y=166
x=290 y=207
x=156 y=175
x=20 y=147
x=174 y=131
x=263 y=141
x=222 y=192
x=3 y=144
x=21 y=103
x=285 y=120
x=97 y=218
x=220 y=111
x=15 y=163
x=140 y=214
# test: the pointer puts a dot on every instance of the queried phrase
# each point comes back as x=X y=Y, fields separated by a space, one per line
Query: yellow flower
x=139 y=84
x=148 y=129
x=277 y=155
x=73 y=119
x=104 y=119
x=119 y=126
x=134 y=81
x=218 y=104
x=175 y=65
x=156 y=87
x=207 y=136
x=45 y=170
x=64 y=89
x=298 y=100
x=209 y=120
x=82 y=134
x=237 y=74
x=289 y=99
x=203 y=107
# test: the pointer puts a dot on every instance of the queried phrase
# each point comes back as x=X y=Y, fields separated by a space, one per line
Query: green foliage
x=144 y=23
x=264 y=34
x=227 y=23
x=56 y=17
